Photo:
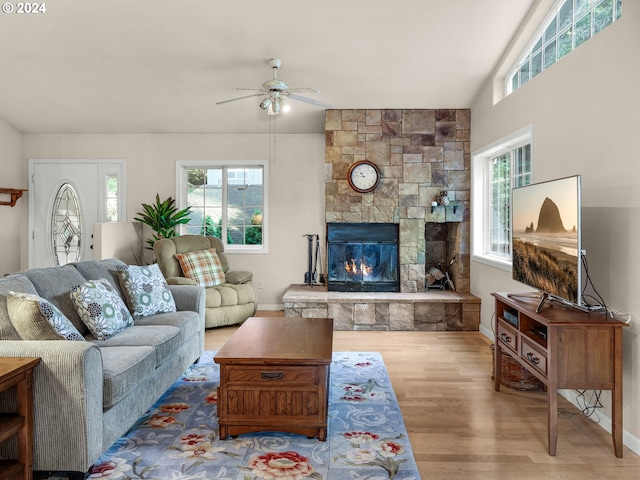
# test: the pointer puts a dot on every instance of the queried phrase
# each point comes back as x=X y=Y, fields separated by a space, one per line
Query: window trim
x=181 y=197
x=480 y=194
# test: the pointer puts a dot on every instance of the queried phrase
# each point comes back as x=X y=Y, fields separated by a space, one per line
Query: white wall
x=586 y=119
x=296 y=187
x=13 y=219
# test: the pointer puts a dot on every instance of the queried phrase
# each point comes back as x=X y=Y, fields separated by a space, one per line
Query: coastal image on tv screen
x=546 y=237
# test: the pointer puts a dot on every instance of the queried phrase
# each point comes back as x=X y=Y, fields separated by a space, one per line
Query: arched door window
x=66 y=226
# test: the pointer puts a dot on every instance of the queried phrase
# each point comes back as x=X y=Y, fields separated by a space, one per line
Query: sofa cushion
x=123 y=368
x=54 y=284
x=186 y=321
x=228 y=295
x=145 y=290
x=203 y=266
x=213 y=298
x=19 y=283
x=107 y=268
x=35 y=318
x=100 y=308
x=245 y=292
x=165 y=339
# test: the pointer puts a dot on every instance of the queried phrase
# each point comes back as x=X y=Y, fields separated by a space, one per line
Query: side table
x=18 y=372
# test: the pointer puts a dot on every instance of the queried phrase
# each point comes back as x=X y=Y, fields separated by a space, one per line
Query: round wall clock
x=364 y=176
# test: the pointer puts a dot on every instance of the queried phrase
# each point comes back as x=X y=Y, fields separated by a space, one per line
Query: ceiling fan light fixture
x=275 y=91
x=264 y=104
x=274 y=107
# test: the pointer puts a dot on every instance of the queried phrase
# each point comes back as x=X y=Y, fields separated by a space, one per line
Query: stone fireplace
x=420 y=154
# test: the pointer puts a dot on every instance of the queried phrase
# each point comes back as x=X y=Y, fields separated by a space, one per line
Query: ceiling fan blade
x=317 y=103
x=303 y=89
x=239 y=98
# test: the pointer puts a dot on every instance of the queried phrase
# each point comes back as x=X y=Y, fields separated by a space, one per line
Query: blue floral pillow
x=146 y=290
x=101 y=308
x=35 y=318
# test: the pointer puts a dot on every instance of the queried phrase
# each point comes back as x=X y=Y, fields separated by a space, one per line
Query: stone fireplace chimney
x=420 y=153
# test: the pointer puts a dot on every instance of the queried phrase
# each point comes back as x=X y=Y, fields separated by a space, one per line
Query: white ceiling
x=159 y=66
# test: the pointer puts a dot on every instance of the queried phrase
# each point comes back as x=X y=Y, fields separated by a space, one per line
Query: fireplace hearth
x=362 y=257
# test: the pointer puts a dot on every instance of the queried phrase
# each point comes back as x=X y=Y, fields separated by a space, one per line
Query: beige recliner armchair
x=229 y=303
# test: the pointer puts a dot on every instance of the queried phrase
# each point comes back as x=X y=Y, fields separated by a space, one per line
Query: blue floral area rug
x=178 y=438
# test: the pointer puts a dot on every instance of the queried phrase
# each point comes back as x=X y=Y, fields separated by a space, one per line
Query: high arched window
x=569 y=24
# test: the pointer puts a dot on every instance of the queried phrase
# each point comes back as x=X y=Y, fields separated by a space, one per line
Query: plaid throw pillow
x=202 y=266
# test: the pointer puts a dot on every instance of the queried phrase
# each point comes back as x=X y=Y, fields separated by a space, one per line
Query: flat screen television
x=546 y=239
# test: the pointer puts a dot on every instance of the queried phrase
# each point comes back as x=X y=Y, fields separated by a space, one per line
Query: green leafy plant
x=253 y=235
x=163 y=217
x=211 y=229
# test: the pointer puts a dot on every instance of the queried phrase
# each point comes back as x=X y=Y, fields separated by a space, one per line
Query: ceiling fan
x=275 y=91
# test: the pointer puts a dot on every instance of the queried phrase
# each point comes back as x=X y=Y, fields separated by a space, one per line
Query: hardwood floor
x=460 y=427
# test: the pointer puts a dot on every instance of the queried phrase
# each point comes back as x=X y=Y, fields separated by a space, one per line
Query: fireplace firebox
x=363 y=257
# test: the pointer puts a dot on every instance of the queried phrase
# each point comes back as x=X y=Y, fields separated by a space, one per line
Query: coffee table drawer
x=258 y=376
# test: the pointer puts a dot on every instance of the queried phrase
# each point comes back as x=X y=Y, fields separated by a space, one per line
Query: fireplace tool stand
x=311 y=277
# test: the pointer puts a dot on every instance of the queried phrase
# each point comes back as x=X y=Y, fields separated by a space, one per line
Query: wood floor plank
x=460 y=427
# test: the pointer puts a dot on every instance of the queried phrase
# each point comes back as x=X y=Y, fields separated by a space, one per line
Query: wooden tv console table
x=563 y=348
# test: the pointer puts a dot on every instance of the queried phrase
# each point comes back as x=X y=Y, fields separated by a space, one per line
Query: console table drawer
x=534 y=356
x=268 y=375
x=508 y=336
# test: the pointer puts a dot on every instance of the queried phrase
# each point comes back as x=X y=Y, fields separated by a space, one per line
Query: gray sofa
x=86 y=394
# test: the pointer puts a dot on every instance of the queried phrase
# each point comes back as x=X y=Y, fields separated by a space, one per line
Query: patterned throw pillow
x=202 y=266
x=35 y=318
x=146 y=290
x=101 y=308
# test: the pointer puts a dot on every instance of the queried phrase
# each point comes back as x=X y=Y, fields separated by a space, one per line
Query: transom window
x=227 y=201
x=569 y=25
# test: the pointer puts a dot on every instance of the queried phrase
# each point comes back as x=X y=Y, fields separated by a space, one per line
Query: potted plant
x=163 y=217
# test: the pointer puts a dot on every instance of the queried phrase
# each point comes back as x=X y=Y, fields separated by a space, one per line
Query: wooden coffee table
x=274 y=375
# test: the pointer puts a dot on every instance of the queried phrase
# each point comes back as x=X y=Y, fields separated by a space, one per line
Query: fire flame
x=351 y=266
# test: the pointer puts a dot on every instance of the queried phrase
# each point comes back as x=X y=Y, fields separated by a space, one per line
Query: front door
x=66 y=198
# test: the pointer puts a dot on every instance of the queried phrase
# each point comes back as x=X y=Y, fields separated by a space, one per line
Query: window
x=111 y=198
x=570 y=24
x=498 y=169
x=227 y=201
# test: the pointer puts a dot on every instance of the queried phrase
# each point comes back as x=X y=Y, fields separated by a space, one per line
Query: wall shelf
x=444 y=214
x=15 y=194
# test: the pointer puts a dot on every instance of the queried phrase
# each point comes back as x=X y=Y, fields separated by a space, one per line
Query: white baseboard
x=629 y=440
x=487 y=333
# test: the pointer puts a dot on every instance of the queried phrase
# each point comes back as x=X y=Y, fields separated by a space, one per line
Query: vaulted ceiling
x=159 y=66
